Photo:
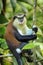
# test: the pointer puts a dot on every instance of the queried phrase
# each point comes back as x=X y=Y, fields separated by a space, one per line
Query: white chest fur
x=25 y=31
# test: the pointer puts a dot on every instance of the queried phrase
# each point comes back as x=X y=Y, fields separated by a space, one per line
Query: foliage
x=24 y=6
x=3 y=45
x=3 y=19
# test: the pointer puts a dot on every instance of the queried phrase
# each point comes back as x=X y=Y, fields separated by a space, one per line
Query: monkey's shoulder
x=9 y=35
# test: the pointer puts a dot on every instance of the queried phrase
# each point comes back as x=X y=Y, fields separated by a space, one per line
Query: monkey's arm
x=24 y=38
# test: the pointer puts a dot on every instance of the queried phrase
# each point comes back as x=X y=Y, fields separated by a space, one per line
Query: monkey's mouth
x=21 y=22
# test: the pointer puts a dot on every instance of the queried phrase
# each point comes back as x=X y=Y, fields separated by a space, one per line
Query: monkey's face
x=20 y=20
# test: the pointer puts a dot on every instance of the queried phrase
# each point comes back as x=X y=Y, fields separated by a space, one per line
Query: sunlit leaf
x=3 y=43
x=32 y=45
x=1 y=50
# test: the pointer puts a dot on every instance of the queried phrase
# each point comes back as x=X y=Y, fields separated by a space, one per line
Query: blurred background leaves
x=8 y=8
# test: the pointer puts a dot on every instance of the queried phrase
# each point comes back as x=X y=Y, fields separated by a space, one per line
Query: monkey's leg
x=16 y=55
x=18 y=58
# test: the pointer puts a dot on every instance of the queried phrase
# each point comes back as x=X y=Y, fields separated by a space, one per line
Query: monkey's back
x=10 y=38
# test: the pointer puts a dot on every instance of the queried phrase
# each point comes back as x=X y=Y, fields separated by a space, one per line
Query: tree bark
x=4 y=7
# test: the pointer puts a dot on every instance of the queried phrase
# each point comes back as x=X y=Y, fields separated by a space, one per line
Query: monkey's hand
x=35 y=29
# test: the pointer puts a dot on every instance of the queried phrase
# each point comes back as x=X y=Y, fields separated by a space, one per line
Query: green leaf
x=23 y=7
x=1 y=50
x=0 y=5
x=2 y=31
x=3 y=19
x=13 y=3
x=32 y=45
x=27 y=1
x=3 y=43
x=29 y=46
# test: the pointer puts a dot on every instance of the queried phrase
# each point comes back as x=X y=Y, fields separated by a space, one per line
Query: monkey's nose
x=21 y=20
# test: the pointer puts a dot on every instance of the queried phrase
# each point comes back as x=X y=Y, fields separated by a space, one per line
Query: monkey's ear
x=24 y=15
x=14 y=17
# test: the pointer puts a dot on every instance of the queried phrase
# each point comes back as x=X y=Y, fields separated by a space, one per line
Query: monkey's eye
x=15 y=17
x=20 y=17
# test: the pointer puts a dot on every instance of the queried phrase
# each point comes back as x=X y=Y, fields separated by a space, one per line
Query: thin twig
x=5 y=24
x=39 y=60
x=7 y=55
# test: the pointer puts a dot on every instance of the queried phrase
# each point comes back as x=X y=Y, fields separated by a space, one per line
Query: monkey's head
x=19 y=20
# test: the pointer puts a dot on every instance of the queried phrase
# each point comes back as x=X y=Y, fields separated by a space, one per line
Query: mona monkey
x=18 y=34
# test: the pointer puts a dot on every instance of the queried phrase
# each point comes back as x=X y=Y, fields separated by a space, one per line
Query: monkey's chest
x=25 y=31
x=22 y=32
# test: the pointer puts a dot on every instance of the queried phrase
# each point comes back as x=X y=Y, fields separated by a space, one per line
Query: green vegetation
x=9 y=8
